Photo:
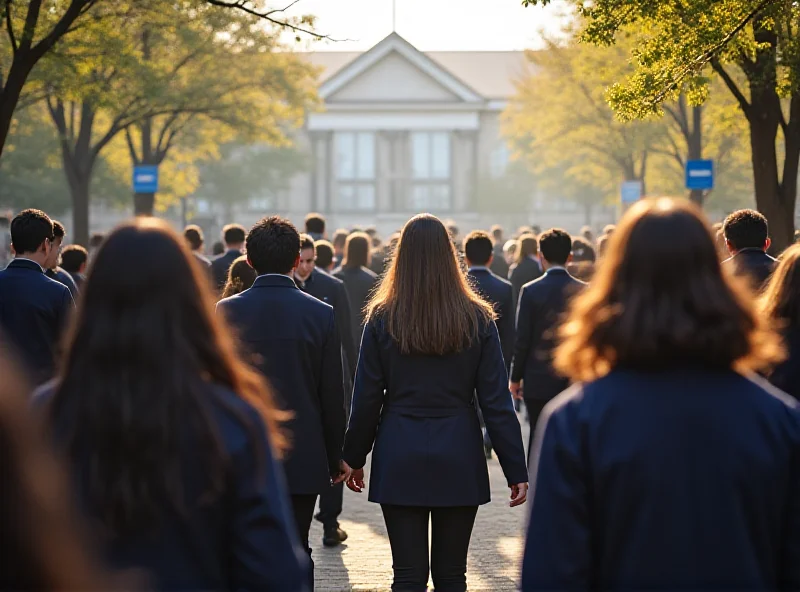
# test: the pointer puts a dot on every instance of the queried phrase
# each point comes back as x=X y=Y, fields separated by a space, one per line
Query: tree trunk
x=9 y=97
x=80 y=210
x=144 y=204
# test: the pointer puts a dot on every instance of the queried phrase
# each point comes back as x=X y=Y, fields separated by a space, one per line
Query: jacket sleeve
x=265 y=551
x=367 y=402
x=331 y=396
x=345 y=327
x=522 y=342
x=498 y=409
x=65 y=310
x=558 y=548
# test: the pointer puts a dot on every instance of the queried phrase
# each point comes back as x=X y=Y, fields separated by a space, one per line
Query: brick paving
x=364 y=561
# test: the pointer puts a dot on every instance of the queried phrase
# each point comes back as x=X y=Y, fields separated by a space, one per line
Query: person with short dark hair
x=241 y=277
x=339 y=242
x=667 y=429
x=34 y=309
x=234 y=237
x=358 y=279
x=498 y=266
x=747 y=238
x=193 y=235
x=297 y=343
x=323 y=252
x=541 y=305
x=51 y=268
x=583 y=259
x=527 y=267
x=74 y=260
x=315 y=226
x=217 y=249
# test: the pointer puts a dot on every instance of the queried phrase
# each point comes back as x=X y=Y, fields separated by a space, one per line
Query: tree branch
x=731 y=84
x=244 y=6
x=10 y=29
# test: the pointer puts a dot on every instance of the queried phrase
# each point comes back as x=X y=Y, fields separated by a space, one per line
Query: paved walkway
x=364 y=562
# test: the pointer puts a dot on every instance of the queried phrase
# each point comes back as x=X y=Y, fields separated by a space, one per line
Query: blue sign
x=631 y=192
x=700 y=174
x=145 y=178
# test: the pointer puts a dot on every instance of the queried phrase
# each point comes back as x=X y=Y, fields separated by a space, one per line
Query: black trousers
x=303 y=506
x=407 y=527
x=534 y=407
x=330 y=506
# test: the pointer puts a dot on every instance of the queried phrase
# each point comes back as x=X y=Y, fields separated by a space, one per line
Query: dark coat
x=754 y=264
x=221 y=265
x=539 y=313
x=295 y=339
x=787 y=375
x=62 y=277
x=522 y=273
x=78 y=278
x=243 y=540
x=359 y=283
x=419 y=412
x=499 y=266
x=332 y=291
x=499 y=294
x=33 y=313
x=686 y=479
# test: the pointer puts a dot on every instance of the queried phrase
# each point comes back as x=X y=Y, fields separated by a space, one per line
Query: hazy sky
x=432 y=25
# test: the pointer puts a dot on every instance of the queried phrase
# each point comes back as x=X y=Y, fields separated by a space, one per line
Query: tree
x=758 y=40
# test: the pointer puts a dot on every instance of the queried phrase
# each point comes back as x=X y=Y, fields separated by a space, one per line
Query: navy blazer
x=498 y=292
x=33 y=313
x=243 y=540
x=62 y=277
x=499 y=266
x=332 y=291
x=686 y=479
x=539 y=313
x=754 y=264
x=359 y=283
x=419 y=412
x=522 y=273
x=295 y=340
x=221 y=265
x=786 y=376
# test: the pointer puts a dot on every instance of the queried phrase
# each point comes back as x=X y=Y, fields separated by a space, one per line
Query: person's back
x=527 y=268
x=359 y=281
x=234 y=236
x=747 y=238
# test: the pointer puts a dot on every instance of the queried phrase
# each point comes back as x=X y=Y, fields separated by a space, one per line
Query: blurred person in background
x=323 y=251
x=781 y=304
x=233 y=235
x=241 y=277
x=74 y=260
x=193 y=235
x=583 y=259
x=587 y=234
x=171 y=440
x=747 y=238
x=51 y=268
x=359 y=280
x=339 y=241
x=609 y=229
x=315 y=226
x=499 y=265
x=602 y=244
x=510 y=251
x=453 y=231
x=377 y=256
x=95 y=242
x=527 y=267
x=217 y=249
x=669 y=465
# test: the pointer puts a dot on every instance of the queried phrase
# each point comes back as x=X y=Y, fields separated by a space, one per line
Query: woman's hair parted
x=141 y=357
x=424 y=298
x=781 y=299
x=659 y=297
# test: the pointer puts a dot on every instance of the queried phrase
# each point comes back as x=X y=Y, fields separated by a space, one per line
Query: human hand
x=356 y=481
x=516 y=390
x=519 y=494
x=344 y=473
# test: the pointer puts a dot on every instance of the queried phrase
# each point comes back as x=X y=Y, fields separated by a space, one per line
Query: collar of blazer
x=274 y=280
x=23 y=263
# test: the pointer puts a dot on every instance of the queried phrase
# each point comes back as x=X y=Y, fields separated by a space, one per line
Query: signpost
x=631 y=192
x=700 y=175
x=145 y=178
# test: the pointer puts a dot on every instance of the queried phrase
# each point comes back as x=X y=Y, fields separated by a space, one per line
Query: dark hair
x=452 y=229
x=273 y=246
x=315 y=224
x=194 y=236
x=142 y=356
x=357 y=250
x=306 y=242
x=556 y=246
x=5 y=220
x=44 y=547
x=746 y=229
x=586 y=232
x=655 y=302
x=58 y=230
x=428 y=305
x=781 y=298
x=324 y=254
x=528 y=247
x=234 y=234
x=340 y=238
x=96 y=240
x=73 y=257
x=478 y=247
x=371 y=231
x=582 y=250
x=497 y=233
x=217 y=248
x=241 y=276
x=29 y=229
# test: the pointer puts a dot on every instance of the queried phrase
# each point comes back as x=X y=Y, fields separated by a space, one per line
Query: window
x=430 y=171
x=355 y=170
x=499 y=161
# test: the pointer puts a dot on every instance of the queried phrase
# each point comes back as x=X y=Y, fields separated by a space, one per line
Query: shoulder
x=324 y=278
x=238 y=420
x=768 y=395
x=498 y=281
x=368 y=273
x=533 y=287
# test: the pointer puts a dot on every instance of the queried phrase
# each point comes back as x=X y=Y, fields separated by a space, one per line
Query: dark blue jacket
x=686 y=479
x=498 y=293
x=221 y=265
x=243 y=540
x=539 y=313
x=62 y=277
x=33 y=312
x=786 y=375
x=754 y=264
x=419 y=412
x=295 y=340
x=499 y=266
x=359 y=283
x=522 y=273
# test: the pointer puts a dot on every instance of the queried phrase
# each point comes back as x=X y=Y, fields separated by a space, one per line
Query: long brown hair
x=241 y=276
x=142 y=356
x=781 y=298
x=424 y=297
x=661 y=297
x=528 y=247
x=357 y=250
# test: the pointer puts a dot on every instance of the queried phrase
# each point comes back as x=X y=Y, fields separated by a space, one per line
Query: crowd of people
x=174 y=421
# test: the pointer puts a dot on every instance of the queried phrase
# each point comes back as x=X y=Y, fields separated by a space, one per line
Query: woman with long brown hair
x=671 y=465
x=429 y=354
x=781 y=303
x=171 y=439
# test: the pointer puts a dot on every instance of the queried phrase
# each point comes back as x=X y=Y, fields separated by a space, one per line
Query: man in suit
x=499 y=266
x=193 y=235
x=332 y=291
x=542 y=303
x=234 y=236
x=33 y=308
x=297 y=344
x=315 y=226
x=747 y=238
x=51 y=268
x=478 y=251
x=74 y=259
x=324 y=255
